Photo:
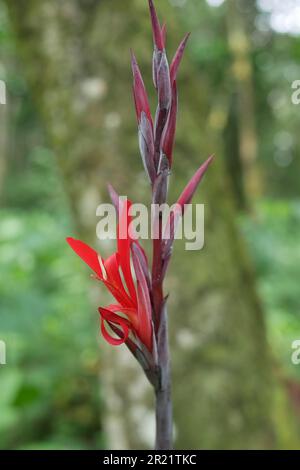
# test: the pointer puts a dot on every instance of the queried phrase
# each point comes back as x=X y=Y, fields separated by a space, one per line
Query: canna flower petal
x=108 y=273
x=178 y=57
x=114 y=281
x=145 y=330
x=158 y=37
x=136 y=244
x=124 y=243
x=113 y=319
x=130 y=312
x=87 y=254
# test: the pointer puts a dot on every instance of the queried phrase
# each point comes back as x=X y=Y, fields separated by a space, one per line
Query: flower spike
x=137 y=316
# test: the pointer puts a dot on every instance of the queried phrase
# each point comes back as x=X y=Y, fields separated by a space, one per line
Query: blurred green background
x=69 y=127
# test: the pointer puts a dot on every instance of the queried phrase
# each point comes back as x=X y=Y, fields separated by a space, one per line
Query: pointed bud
x=139 y=91
x=157 y=32
x=179 y=208
x=178 y=57
x=164 y=34
x=164 y=83
x=190 y=189
x=168 y=136
x=146 y=144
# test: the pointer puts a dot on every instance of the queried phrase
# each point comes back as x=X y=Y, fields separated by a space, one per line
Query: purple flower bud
x=190 y=189
x=168 y=136
x=146 y=144
x=164 y=83
x=179 y=208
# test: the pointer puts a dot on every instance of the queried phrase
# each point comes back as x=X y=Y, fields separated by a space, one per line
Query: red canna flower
x=131 y=296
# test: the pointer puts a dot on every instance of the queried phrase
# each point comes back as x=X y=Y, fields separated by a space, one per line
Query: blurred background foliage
x=49 y=391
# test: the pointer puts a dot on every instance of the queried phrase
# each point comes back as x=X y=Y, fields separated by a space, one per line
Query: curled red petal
x=110 y=317
x=130 y=312
x=87 y=254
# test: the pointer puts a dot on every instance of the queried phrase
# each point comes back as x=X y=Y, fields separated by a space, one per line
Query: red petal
x=124 y=249
x=145 y=329
x=177 y=58
x=130 y=312
x=114 y=282
x=87 y=254
x=110 y=317
x=139 y=91
x=157 y=32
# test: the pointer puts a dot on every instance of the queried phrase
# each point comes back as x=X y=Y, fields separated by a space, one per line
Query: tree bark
x=76 y=58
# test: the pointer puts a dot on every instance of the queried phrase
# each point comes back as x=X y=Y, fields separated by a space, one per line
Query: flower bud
x=146 y=144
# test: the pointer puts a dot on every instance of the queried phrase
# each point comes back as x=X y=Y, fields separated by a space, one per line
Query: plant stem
x=164 y=414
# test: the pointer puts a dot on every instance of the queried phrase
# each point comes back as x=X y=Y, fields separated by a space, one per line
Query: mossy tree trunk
x=75 y=55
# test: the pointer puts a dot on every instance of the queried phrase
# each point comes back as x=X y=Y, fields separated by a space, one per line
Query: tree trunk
x=76 y=58
x=242 y=78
